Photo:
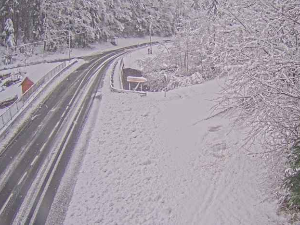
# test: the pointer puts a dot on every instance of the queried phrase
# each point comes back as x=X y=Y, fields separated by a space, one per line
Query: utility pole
x=70 y=44
x=150 y=31
x=70 y=37
x=150 y=37
x=46 y=32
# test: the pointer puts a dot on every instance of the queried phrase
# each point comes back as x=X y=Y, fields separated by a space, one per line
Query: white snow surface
x=41 y=95
x=96 y=48
x=34 y=73
x=107 y=46
x=133 y=59
x=163 y=160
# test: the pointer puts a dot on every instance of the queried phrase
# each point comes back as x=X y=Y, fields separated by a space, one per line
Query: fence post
x=3 y=120
x=10 y=114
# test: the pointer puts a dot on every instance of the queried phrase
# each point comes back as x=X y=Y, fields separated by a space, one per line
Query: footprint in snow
x=214 y=128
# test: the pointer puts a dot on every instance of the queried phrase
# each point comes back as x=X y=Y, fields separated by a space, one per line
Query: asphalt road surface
x=36 y=158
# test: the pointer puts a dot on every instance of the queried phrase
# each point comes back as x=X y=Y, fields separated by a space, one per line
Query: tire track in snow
x=224 y=183
x=228 y=172
x=225 y=201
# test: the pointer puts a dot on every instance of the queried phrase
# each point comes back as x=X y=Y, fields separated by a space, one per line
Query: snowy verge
x=63 y=133
x=65 y=190
x=165 y=160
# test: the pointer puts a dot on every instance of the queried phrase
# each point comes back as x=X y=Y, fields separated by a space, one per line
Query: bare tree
x=264 y=90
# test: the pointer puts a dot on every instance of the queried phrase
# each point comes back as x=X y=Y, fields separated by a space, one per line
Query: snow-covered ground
x=34 y=73
x=133 y=59
x=165 y=160
x=40 y=56
x=106 y=46
x=38 y=97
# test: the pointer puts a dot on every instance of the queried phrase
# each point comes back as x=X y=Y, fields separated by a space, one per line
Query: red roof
x=27 y=81
x=26 y=85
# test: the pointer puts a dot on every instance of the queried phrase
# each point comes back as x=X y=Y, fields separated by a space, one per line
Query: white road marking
x=43 y=147
x=63 y=146
x=32 y=118
x=51 y=134
x=57 y=124
x=63 y=115
x=6 y=203
x=34 y=160
x=21 y=180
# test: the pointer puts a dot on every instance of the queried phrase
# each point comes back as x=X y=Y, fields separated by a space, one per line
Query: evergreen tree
x=9 y=12
x=37 y=20
x=9 y=33
x=88 y=20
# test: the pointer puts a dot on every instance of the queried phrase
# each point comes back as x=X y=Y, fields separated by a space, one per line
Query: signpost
x=150 y=32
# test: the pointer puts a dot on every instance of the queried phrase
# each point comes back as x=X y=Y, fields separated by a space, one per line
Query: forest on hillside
x=27 y=21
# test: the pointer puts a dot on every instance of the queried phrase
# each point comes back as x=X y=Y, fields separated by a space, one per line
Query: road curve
x=43 y=147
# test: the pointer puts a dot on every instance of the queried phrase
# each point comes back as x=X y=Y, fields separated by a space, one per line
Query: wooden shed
x=130 y=72
x=26 y=84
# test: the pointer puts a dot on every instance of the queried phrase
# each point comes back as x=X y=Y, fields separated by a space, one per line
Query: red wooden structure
x=26 y=84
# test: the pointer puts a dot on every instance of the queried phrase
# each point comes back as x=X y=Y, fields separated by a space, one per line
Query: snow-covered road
x=156 y=160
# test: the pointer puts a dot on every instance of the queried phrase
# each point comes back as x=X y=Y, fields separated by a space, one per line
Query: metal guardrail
x=16 y=107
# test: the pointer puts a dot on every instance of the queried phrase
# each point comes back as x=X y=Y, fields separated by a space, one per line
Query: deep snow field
x=167 y=160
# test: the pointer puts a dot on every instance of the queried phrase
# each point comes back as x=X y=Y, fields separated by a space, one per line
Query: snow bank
x=161 y=160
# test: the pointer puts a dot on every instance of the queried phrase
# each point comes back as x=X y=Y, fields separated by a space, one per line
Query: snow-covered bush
x=265 y=89
x=255 y=44
x=198 y=52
